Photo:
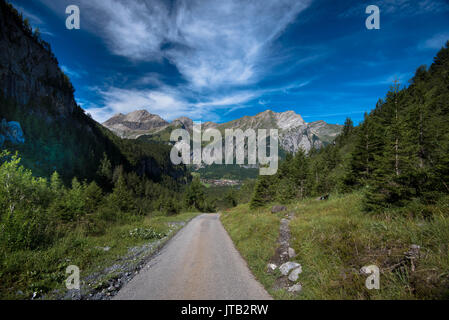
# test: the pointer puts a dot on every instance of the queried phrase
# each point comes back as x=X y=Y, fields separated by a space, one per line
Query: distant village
x=221 y=182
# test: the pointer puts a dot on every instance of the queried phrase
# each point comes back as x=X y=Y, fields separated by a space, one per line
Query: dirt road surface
x=199 y=263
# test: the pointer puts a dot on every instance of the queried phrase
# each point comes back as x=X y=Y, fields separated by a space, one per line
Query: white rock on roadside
x=284 y=256
x=295 y=288
x=295 y=274
x=271 y=267
x=291 y=252
x=287 y=267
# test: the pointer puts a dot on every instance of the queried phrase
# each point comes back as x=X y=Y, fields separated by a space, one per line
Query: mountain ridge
x=294 y=132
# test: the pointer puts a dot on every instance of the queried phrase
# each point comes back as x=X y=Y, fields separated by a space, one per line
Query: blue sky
x=220 y=60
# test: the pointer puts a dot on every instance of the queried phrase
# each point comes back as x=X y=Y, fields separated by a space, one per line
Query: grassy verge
x=255 y=235
x=23 y=273
x=334 y=239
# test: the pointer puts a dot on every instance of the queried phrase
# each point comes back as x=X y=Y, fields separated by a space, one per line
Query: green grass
x=334 y=239
x=255 y=235
x=43 y=271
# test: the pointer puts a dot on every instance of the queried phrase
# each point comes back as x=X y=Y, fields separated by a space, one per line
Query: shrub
x=23 y=220
x=93 y=196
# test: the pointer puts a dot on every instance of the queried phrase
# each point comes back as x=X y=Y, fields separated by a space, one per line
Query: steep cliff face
x=11 y=132
x=35 y=93
x=28 y=70
x=294 y=132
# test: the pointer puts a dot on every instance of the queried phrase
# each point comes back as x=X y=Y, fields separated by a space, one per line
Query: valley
x=108 y=198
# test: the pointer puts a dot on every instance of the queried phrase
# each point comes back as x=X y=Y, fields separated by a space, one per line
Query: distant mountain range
x=294 y=132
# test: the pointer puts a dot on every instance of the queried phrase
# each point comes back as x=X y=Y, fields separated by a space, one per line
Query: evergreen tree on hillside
x=363 y=154
x=386 y=182
x=105 y=169
x=121 y=197
x=194 y=196
x=262 y=194
x=439 y=106
x=348 y=127
x=299 y=173
x=56 y=185
x=418 y=133
x=413 y=162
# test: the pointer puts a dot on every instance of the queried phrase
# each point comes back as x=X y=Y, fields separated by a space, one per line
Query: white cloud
x=402 y=78
x=212 y=43
x=169 y=103
x=34 y=19
x=217 y=46
x=72 y=73
x=165 y=104
x=221 y=43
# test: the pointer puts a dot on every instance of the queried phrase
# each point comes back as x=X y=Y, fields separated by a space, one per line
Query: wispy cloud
x=335 y=114
x=402 y=78
x=165 y=101
x=436 y=42
x=399 y=7
x=74 y=74
x=211 y=43
x=34 y=20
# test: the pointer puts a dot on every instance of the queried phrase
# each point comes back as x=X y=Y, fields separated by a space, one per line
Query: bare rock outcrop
x=12 y=132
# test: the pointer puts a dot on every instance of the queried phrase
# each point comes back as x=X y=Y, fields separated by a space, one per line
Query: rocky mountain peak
x=184 y=122
x=139 y=120
x=138 y=116
x=289 y=119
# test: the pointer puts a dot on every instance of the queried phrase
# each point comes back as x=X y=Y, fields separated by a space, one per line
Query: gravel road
x=199 y=263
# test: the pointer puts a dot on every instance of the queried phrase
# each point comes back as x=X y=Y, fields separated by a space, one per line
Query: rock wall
x=12 y=132
x=28 y=69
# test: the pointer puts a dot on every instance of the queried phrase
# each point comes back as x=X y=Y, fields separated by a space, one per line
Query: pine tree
x=348 y=127
x=231 y=198
x=360 y=165
x=299 y=173
x=93 y=196
x=56 y=185
x=121 y=196
x=194 y=196
x=262 y=194
x=105 y=169
x=386 y=185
